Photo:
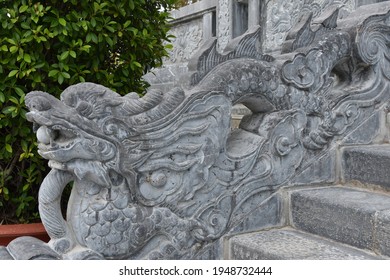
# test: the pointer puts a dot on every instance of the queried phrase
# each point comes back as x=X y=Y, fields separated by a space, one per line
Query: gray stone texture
x=289 y=244
x=342 y=214
x=368 y=164
x=367 y=132
x=164 y=176
x=282 y=15
x=30 y=248
x=320 y=170
x=4 y=254
x=383 y=232
x=268 y=214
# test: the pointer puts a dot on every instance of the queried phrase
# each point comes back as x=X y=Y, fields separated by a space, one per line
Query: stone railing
x=192 y=26
x=165 y=177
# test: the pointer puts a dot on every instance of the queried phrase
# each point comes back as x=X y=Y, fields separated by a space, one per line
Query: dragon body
x=163 y=176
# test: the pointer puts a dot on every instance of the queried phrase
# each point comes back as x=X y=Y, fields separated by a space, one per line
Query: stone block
x=213 y=251
x=383 y=232
x=319 y=170
x=339 y=213
x=288 y=244
x=368 y=130
x=369 y=164
x=267 y=214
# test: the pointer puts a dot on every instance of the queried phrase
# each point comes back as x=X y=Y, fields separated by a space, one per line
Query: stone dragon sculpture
x=163 y=176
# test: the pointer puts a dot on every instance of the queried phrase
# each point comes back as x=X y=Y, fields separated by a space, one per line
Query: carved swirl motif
x=311 y=70
x=283 y=15
x=188 y=38
x=163 y=176
x=373 y=41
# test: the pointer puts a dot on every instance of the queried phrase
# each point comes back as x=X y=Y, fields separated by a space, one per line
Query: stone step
x=290 y=244
x=368 y=164
x=352 y=216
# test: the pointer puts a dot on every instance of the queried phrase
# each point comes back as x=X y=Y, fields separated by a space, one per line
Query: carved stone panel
x=223 y=24
x=282 y=15
x=188 y=39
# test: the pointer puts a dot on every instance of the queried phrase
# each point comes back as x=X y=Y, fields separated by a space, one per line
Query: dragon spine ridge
x=163 y=176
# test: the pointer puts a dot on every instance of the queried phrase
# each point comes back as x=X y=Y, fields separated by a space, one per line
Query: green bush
x=49 y=45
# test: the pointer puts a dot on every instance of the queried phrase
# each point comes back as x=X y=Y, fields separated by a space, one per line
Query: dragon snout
x=39 y=101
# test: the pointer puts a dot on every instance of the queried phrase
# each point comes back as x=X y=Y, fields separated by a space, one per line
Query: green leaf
x=23 y=8
x=2 y=97
x=93 y=22
x=13 y=49
x=13 y=73
x=19 y=91
x=8 y=147
x=109 y=41
x=126 y=24
x=25 y=25
x=27 y=58
x=14 y=100
x=11 y=41
x=25 y=187
x=60 y=79
x=131 y=5
x=53 y=73
x=62 y=21
x=73 y=54
x=64 y=55
x=96 y=7
x=109 y=28
x=66 y=75
x=19 y=209
x=24 y=145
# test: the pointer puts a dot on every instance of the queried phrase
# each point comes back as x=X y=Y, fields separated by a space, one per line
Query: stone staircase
x=350 y=220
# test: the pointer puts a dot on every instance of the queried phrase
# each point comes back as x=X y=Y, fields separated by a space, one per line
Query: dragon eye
x=84 y=108
x=39 y=104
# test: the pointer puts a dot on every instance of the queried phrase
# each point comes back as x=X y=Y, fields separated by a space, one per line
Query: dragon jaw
x=65 y=145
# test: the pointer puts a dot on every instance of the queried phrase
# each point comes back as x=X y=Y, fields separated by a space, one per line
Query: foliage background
x=49 y=45
x=181 y=3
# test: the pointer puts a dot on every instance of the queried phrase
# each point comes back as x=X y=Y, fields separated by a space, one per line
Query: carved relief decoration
x=188 y=39
x=163 y=176
x=223 y=24
x=283 y=15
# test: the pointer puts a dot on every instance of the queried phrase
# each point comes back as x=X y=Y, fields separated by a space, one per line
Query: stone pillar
x=207 y=26
x=254 y=12
x=224 y=23
x=239 y=17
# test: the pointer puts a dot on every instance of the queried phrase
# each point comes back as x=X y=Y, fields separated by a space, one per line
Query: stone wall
x=194 y=24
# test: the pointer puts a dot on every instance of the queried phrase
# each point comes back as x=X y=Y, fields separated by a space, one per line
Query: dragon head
x=74 y=133
x=96 y=134
x=161 y=144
